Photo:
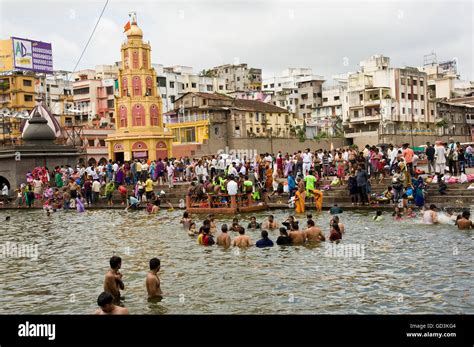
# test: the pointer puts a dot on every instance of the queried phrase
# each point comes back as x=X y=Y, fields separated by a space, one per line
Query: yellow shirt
x=149 y=185
x=200 y=238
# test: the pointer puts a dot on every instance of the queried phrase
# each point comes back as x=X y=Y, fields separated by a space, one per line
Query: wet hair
x=309 y=216
x=154 y=263
x=378 y=213
x=235 y=221
x=271 y=217
x=283 y=231
x=104 y=299
x=466 y=214
x=115 y=261
x=224 y=228
x=185 y=215
x=206 y=222
x=241 y=231
x=191 y=224
x=310 y=222
x=335 y=218
x=336 y=227
x=264 y=234
x=432 y=207
x=253 y=217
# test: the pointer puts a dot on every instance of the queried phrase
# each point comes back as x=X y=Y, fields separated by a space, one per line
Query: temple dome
x=134 y=32
x=38 y=129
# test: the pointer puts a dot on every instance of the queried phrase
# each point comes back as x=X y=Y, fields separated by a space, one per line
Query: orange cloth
x=318 y=199
x=269 y=178
x=299 y=202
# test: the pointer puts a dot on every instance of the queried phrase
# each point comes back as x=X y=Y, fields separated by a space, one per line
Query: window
x=258 y=130
x=272 y=85
x=325 y=99
x=145 y=59
x=301 y=106
x=110 y=103
x=414 y=96
x=238 y=79
x=138 y=115
x=102 y=143
x=171 y=84
x=123 y=116
x=403 y=95
x=137 y=86
x=416 y=111
x=110 y=90
x=216 y=131
x=431 y=112
x=193 y=85
x=256 y=117
x=172 y=99
x=403 y=110
x=422 y=97
x=237 y=128
x=163 y=96
x=135 y=59
x=336 y=97
x=28 y=97
x=162 y=81
x=279 y=84
x=265 y=86
x=221 y=87
x=361 y=97
x=154 y=116
x=409 y=110
x=422 y=111
x=209 y=88
x=414 y=82
x=27 y=83
x=403 y=81
x=421 y=82
x=81 y=91
x=356 y=113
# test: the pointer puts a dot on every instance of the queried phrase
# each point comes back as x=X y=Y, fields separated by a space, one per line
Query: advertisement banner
x=32 y=55
x=6 y=55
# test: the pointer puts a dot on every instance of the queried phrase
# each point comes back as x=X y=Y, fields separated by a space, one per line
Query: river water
x=403 y=267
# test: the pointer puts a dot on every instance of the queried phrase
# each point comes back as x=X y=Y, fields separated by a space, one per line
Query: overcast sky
x=331 y=37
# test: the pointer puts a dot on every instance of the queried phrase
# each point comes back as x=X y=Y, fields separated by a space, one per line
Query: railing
x=185 y=119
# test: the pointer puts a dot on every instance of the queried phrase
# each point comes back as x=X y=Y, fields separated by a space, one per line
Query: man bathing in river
x=464 y=222
x=107 y=307
x=313 y=233
x=242 y=240
x=224 y=238
x=270 y=223
x=153 y=281
x=113 y=279
x=297 y=237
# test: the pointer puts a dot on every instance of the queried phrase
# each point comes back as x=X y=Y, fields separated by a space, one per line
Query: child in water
x=397 y=215
x=186 y=221
x=409 y=213
x=192 y=229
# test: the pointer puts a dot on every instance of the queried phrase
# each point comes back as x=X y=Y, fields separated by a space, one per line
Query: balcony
x=185 y=119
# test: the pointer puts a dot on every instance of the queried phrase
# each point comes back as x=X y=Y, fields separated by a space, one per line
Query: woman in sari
x=300 y=197
x=418 y=185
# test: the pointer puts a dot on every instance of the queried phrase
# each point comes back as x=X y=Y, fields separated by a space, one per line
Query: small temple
x=138 y=108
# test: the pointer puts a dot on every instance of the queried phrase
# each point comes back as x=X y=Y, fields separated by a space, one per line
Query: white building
x=284 y=90
x=175 y=81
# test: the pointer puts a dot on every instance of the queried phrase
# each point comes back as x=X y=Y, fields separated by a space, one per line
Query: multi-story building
x=455 y=118
x=139 y=130
x=17 y=93
x=175 y=81
x=199 y=117
x=237 y=77
x=286 y=94
x=386 y=104
x=328 y=117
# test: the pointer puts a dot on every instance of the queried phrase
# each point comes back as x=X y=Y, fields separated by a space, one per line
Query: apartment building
x=238 y=77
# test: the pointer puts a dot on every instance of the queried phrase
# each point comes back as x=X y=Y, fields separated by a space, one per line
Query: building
x=139 y=130
x=286 y=94
x=204 y=119
x=17 y=94
x=327 y=118
x=387 y=104
x=238 y=77
x=175 y=81
x=455 y=119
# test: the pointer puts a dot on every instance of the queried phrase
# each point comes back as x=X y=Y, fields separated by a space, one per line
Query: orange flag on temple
x=126 y=27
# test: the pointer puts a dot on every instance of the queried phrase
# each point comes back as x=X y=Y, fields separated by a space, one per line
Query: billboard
x=32 y=55
x=6 y=61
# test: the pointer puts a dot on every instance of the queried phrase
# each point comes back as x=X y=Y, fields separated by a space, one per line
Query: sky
x=331 y=37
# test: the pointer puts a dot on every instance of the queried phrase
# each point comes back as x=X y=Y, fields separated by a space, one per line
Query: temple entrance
x=161 y=150
x=139 y=150
x=119 y=156
x=4 y=180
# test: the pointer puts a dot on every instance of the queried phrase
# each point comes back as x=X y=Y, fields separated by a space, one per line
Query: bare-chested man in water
x=242 y=240
x=313 y=233
x=270 y=223
x=224 y=238
x=153 y=281
x=464 y=222
x=297 y=237
x=113 y=279
x=107 y=307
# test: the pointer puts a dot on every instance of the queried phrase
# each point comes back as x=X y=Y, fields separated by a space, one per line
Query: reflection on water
x=407 y=267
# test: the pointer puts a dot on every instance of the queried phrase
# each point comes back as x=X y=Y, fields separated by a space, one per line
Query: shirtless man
x=113 y=279
x=313 y=233
x=464 y=222
x=153 y=281
x=297 y=237
x=242 y=240
x=107 y=307
x=270 y=223
x=430 y=216
x=223 y=239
